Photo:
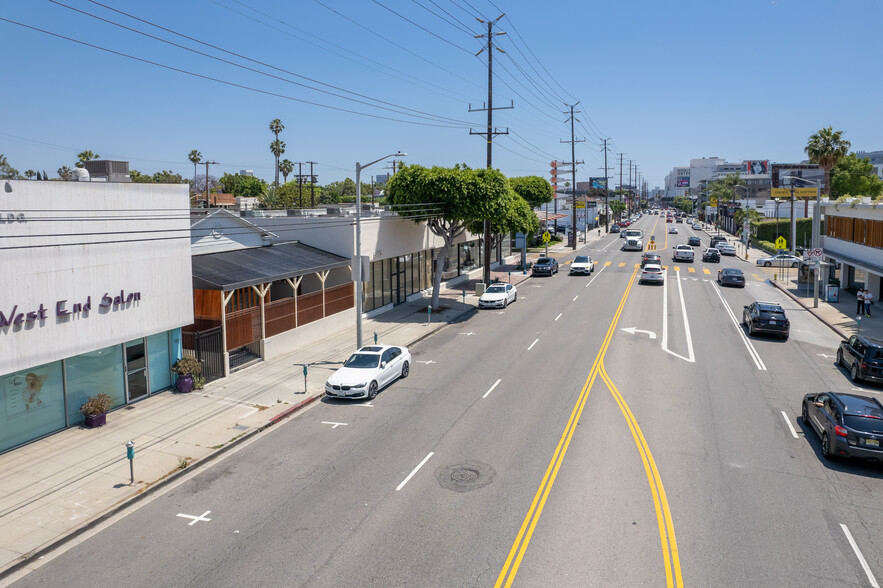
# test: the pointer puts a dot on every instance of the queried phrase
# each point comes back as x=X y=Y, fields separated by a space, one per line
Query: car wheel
x=768 y=264
x=505 y=303
x=750 y=329
x=805 y=415
x=372 y=391
x=839 y=357
x=794 y=264
x=853 y=373
x=826 y=446
x=406 y=369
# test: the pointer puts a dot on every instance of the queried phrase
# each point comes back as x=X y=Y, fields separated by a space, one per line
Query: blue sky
x=665 y=81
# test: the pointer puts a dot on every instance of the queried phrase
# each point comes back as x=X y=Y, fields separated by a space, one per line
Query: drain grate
x=464 y=477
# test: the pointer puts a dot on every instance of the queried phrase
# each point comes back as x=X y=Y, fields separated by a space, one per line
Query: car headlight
x=362 y=385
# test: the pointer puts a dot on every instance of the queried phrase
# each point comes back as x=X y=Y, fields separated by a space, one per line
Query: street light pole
x=357 y=261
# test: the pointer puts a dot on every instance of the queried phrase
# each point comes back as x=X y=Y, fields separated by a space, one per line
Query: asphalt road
x=541 y=445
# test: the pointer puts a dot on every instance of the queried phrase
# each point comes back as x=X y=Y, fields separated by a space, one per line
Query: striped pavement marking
x=606 y=263
x=677 y=268
x=758 y=278
x=621 y=264
x=692 y=270
x=706 y=271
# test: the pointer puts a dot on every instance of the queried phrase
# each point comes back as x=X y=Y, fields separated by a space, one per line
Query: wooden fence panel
x=339 y=298
x=243 y=327
x=280 y=316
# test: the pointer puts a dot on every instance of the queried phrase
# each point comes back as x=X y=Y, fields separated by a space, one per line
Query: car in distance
x=849 y=425
x=679 y=220
x=582 y=264
x=545 y=266
x=696 y=226
x=726 y=249
x=498 y=296
x=694 y=241
x=863 y=357
x=780 y=260
x=651 y=257
x=683 y=253
x=614 y=228
x=652 y=272
x=717 y=239
x=711 y=255
x=673 y=230
x=730 y=276
x=368 y=370
x=766 y=317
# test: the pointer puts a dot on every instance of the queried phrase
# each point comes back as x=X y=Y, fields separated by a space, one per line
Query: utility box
x=479 y=289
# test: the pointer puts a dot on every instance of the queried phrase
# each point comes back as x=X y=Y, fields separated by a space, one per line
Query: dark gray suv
x=863 y=357
x=848 y=425
x=545 y=266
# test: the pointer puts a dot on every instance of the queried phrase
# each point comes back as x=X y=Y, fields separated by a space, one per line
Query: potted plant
x=186 y=369
x=95 y=410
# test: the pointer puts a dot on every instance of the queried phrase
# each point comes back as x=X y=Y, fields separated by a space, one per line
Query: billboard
x=598 y=183
x=756 y=166
x=812 y=175
x=683 y=182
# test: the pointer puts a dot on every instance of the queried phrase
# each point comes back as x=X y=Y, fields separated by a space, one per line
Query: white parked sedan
x=781 y=260
x=582 y=264
x=368 y=370
x=726 y=249
x=498 y=296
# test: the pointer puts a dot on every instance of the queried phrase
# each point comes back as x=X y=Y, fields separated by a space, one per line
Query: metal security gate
x=207 y=347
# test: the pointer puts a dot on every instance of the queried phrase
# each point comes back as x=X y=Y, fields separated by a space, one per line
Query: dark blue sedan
x=694 y=242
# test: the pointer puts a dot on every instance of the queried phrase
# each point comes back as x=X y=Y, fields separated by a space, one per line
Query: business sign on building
x=811 y=177
x=683 y=182
x=598 y=183
x=798 y=193
x=756 y=166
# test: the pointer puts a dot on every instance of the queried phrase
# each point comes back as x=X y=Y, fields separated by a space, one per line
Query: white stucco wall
x=72 y=242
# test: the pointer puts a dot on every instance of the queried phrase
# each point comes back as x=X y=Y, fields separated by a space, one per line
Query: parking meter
x=375 y=337
x=305 y=378
x=130 y=454
x=428 y=314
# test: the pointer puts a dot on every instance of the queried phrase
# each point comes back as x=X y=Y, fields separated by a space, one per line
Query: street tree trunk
x=448 y=231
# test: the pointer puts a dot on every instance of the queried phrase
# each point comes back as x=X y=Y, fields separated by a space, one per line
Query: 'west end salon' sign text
x=61 y=309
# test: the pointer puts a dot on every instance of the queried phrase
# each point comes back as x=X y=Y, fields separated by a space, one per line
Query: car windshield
x=732 y=272
x=770 y=308
x=581 y=259
x=871 y=423
x=544 y=261
x=496 y=290
x=363 y=360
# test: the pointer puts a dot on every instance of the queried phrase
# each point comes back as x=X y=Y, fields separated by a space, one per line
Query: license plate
x=772 y=322
x=872 y=443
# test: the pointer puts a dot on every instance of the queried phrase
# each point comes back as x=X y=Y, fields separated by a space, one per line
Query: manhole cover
x=463 y=477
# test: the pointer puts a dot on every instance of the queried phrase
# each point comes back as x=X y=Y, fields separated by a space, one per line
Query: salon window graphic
x=23 y=393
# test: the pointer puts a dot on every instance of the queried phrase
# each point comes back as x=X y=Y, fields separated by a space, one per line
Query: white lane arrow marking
x=825 y=355
x=468 y=334
x=196 y=518
x=425 y=361
x=333 y=425
x=633 y=331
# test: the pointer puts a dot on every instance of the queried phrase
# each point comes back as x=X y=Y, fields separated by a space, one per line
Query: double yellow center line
x=663 y=513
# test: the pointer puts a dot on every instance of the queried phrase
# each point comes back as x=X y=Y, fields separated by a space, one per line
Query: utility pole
x=312 y=185
x=491 y=131
x=208 y=203
x=573 y=162
x=606 y=190
x=629 y=196
x=620 y=177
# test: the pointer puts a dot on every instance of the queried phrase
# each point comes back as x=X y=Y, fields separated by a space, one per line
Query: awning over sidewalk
x=864 y=265
x=230 y=270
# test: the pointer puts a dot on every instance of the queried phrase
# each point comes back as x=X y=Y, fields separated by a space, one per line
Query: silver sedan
x=780 y=260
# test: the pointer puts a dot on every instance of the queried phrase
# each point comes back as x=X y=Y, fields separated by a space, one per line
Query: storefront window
x=33 y=404
x=92 y=373
x=159 y=361
x=470 y=256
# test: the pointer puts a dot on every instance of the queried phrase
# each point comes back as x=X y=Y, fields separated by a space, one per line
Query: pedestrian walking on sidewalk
x=869 y=300
x=860 y=302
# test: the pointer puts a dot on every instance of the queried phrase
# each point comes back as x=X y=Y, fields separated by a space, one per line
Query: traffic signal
x=554 y=175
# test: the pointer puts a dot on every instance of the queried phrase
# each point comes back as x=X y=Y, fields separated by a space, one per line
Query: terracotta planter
x=184 y=383
x=93 y=421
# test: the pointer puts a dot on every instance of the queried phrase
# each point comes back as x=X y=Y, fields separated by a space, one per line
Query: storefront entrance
x=400 y=279
x=136 y=370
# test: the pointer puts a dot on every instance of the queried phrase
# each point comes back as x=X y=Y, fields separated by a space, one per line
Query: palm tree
x=64 y=172
x=85 y=156
x=277 y=148
x=276 y=127
x=195 y=158
x=286 y=167
x=29 y=173
x=826 y=148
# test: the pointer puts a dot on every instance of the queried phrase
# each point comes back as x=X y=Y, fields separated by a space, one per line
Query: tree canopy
x=855 y=176
x=534 y=189
x=239 y=185
x=826 y=148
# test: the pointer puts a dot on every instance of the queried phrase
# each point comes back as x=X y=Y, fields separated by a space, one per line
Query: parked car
x=711 y=255
x=730 y=276
x=498 y=296
x=848 y=425
x=545 y=266
x=766 y=317
x=694 y=241
x=780 y=260
x=683 y=253
x=582 y=264
x=726 y=249
x=673 y=230
x=651 y=257
x=696 y=226
x=863 y=357
x=369 y=370
x=652 y=273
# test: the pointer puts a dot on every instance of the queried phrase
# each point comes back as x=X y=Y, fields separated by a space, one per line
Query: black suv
x=650 y=257
x=863 y=357
x=766 y=317
x=545 y=266
x=848 y=424
x=711 y=254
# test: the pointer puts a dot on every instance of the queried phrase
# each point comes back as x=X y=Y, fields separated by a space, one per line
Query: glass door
x=136 y=370
x=399 y=288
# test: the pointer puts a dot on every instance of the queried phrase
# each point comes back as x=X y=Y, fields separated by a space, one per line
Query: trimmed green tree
x=826 y=148
x=448 y=200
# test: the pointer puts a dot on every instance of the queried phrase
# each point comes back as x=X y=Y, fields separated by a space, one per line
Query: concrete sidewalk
x=55 y=488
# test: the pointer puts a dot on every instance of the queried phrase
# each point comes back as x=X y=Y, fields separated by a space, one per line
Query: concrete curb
x=811 y=310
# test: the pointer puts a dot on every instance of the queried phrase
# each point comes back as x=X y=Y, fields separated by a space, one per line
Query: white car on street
x=498 y=296
x=652 y=272
x=368 y=370
x=781 y=260
x=582 y=264
x=726 y=248
x=683 y=253
x=673 y=230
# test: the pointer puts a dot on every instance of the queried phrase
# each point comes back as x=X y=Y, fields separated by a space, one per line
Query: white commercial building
x=853 y=239
x=98 y=284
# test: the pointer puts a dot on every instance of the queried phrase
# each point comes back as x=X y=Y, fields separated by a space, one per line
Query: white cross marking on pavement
x=468 y=334
x=426 y=362
x=195 y=518
x=333 y=425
